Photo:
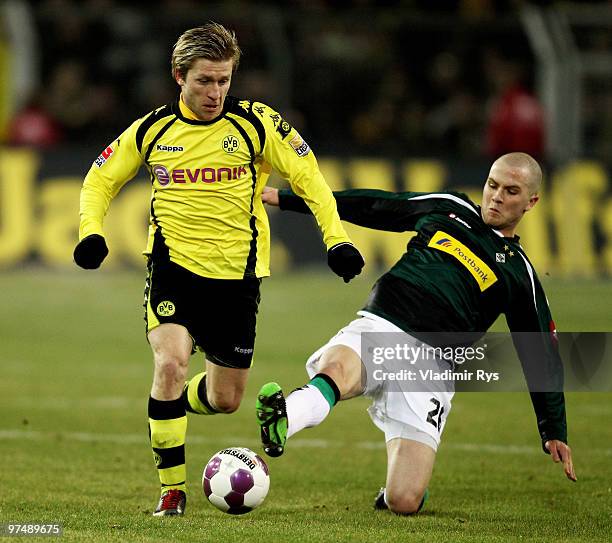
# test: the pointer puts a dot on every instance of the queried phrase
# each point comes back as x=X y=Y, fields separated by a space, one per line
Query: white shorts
x=419 y=416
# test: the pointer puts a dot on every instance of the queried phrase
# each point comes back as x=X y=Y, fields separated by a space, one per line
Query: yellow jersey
x=207 y=178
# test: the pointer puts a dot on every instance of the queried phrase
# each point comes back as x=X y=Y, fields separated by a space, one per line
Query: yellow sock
x=167 y=430
x=194 y=396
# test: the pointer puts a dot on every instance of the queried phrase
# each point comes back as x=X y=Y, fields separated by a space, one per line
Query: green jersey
x=457 y=276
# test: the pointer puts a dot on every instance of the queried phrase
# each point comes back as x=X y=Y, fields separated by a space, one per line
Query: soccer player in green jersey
x=462 y=270
x=208 y=156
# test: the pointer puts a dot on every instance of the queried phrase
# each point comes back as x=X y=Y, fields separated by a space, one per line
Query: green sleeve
x=377 y=209
x=534 y=336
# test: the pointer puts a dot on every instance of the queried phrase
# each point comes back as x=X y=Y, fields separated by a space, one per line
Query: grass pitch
x=76 y=373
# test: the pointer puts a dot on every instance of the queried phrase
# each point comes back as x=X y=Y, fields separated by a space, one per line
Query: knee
x=226 y=400
x=171 y=366
x=332 y=366
x=337 y=368
x=226 y=403
x=406 y=503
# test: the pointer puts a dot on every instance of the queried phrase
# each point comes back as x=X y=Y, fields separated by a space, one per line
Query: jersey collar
x=181 y=110
x=186 y=112
x=514 y=238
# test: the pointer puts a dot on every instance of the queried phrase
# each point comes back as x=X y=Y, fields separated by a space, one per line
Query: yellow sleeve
x=292 y=158
x=117 y=164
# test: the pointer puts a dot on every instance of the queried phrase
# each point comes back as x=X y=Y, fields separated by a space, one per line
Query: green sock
x=327 y=387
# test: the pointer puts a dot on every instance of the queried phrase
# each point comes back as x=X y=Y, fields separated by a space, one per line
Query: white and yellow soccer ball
x=236 y=480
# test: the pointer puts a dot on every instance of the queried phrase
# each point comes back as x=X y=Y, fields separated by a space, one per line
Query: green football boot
x=272 y=419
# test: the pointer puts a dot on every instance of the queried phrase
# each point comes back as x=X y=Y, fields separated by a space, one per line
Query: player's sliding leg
x=271 y=414
x=171 y=345
x=409 y=468
x=339 y=377
x=308 y=405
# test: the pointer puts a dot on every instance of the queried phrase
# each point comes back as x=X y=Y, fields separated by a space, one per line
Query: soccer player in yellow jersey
x=208 y=156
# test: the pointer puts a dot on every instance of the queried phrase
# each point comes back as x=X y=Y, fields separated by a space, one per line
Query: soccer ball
x=236 y=480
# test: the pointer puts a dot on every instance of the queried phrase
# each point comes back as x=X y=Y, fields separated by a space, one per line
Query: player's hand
x=560 y=452
x=90 y=252
x=345 y=260
x=270 y=196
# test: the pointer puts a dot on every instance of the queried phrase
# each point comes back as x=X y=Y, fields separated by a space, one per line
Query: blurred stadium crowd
x=364 y=77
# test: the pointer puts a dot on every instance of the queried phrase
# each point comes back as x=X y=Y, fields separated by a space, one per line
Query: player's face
x=505 y=198
x=205 y=87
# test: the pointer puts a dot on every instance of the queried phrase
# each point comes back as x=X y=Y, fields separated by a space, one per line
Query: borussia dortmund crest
x=230 y=144
x=166 y=309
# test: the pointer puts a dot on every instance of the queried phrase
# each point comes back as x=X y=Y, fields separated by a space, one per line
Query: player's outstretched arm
x=270 y=196
x=560 y=452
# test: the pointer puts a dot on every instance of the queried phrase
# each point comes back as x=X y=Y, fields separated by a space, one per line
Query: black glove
x=345 y=260
x=90 y=252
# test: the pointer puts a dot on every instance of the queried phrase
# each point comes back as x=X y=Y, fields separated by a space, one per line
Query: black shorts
x=219 y=314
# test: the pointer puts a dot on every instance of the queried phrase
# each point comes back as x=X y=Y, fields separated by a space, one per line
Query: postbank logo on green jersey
x=446 y=243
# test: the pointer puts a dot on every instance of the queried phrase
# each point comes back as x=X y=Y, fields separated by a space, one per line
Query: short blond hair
x=211 y=41
x=532 y=172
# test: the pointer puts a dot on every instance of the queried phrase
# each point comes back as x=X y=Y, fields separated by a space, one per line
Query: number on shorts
x=435 y=415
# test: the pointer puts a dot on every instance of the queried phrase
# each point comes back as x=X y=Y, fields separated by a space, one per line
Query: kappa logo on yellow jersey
x=166 y=309
x=169 y=148
x=446 y=243
x=300 y=147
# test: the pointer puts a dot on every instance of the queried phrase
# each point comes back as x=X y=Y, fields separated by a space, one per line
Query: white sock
x=306 y=407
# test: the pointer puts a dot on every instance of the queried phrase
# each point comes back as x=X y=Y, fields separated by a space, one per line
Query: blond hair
x=211 y=41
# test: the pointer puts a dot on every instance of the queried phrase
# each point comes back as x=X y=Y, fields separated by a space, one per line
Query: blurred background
x=400 y=95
